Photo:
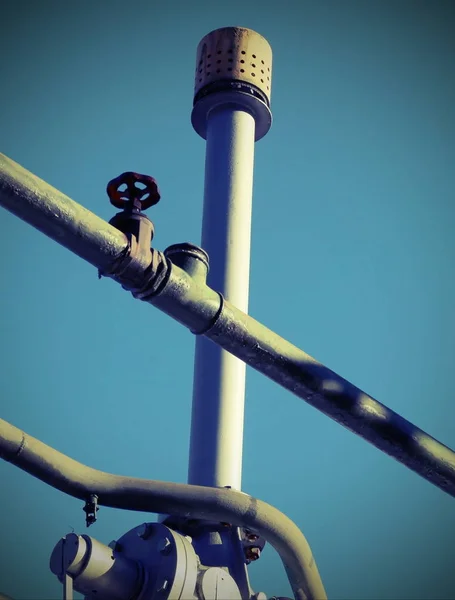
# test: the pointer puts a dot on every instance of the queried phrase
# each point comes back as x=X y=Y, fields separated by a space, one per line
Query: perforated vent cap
x=234 y=53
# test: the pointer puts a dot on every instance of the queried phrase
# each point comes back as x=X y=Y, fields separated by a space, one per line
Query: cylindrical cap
x=233 y=69
x=234 y=53
x=190 y=258
x=95 y=568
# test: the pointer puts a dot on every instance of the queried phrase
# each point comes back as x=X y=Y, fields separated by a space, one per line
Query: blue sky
x=352 y=260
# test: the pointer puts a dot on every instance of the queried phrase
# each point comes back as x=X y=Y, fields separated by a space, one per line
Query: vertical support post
x=67 y=580
x=231 y=111
x=219 y=377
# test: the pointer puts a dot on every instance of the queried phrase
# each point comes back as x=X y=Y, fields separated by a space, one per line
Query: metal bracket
x=91 y=508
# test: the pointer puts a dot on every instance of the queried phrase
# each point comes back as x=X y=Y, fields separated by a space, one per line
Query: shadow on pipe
x=201 y=309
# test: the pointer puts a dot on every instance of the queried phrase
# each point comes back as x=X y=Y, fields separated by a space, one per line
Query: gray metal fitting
x=189 y=257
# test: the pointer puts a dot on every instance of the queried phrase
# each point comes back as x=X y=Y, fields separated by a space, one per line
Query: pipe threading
x=233 y=85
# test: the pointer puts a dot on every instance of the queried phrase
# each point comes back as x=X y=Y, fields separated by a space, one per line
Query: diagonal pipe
x=190 y=301
x=131 y=493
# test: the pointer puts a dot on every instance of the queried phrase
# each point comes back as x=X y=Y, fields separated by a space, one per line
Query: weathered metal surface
x=205 y=312
x=57 y=216
x=234 y=54
x=116 y=491
x=301 y=374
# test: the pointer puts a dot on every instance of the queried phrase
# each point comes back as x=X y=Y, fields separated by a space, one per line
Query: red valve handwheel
x=133 y=194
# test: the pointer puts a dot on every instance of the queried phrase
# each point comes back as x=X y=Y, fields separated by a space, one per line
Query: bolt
x=165 y=546
x=250 y=536
x=144 y=531
x=115 y=546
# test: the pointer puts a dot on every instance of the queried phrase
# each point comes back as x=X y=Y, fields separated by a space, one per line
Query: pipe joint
x=191 y=258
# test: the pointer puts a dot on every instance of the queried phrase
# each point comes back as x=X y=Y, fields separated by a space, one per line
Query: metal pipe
x=130 y=493
x=227 y=64
x=57 y=216
x=216 y=440
x=301 y=374
x=203 y=311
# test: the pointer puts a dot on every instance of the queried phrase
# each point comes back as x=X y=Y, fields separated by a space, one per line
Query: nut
x=253 y=553
x=144 y=531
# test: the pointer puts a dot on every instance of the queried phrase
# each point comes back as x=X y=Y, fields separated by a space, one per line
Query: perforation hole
x=242 y=70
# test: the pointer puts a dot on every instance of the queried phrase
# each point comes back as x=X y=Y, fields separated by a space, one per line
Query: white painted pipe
x=231 y=111
x=219 y=377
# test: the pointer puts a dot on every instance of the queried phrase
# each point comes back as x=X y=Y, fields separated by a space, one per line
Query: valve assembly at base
x=149 y=562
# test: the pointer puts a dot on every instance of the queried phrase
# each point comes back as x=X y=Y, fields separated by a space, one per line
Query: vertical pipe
x=219 y=378
x=231 y=110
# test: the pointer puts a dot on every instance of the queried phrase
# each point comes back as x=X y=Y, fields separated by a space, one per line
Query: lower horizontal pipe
x=116 y=491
